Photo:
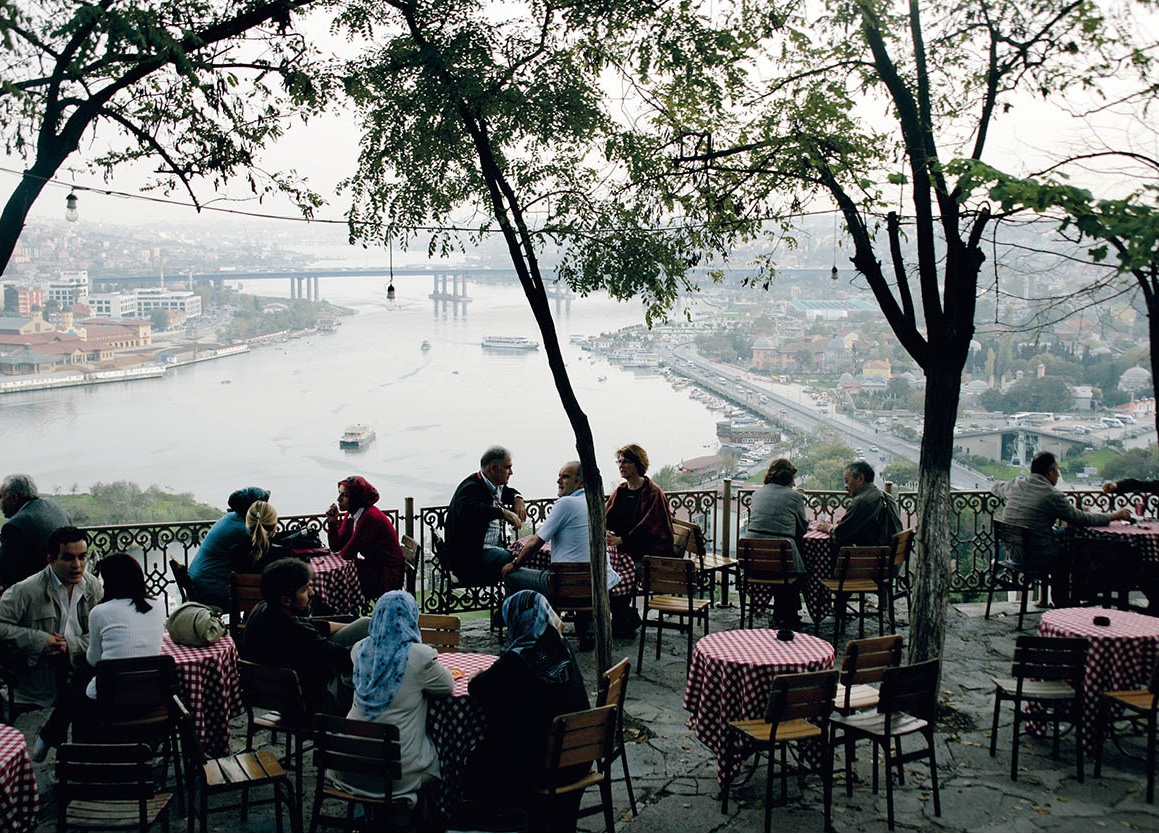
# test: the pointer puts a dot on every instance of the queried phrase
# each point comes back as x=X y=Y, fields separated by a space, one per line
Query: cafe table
x=1143 y=535
x=19 y=797
x=818 y=559
x=730 y=678
x=335 y=583
x=1119 y=656
x=456 y=724
x=210 y=688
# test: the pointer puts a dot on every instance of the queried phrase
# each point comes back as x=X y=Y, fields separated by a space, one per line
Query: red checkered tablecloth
x=19 y=798
x=621 y=563
x=1144 y=535
x=336 y=583
x=730 y=679
x=1119 y=656
x=818 y=558
x=456 y=724
x=210 y=689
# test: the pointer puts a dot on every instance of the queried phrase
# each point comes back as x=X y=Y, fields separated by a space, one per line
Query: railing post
x=409 y=516
x=725 y=532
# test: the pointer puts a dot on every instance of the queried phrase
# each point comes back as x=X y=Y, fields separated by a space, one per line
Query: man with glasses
x=1033 y=501
x=481 y=505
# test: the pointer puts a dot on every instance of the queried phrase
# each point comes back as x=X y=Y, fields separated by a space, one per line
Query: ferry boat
x=509 y=343
x=356 y=436
x=425 y=345
x=328 y=325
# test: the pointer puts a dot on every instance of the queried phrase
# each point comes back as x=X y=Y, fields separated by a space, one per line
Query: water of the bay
x=277 y=421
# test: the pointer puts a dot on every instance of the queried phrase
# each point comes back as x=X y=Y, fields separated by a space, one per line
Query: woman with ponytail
x=261 y=519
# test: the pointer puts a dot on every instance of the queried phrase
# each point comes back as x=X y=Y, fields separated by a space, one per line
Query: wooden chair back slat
x=1050 y=658
x=441 y=631
x=765 y=558
x=570 y=586
x=807 y=696
x=357 y=746
x=104 y=772
x=866 y=660
x=863 y=563
x=911 y=689
x=613 y=691
x=579 y=738
x=245 y=592
x=902 y=544
x=669 y=576
x=692 y=537
x=412 y=557
x=135 y=697
x=1017 y=542
x=272 y=688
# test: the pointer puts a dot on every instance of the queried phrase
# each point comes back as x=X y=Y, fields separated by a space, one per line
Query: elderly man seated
x=566 y=527
x=480 y=507
x=24 y=537
x=44 y=629
x=277 y=633
x=872 y=517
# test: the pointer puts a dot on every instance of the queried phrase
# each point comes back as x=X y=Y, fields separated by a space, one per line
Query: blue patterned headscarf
x=535 y=636
x=380 y=662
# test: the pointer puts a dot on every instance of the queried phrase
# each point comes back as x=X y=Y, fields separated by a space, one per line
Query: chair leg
x=606 y=799
x=278 y=805
x=897 y=751
x=1027 y=589
x=317 y=805
x=888 y=757
x=1079 y=739
x=659 y=631
x=990 y=592
x=1100 y=735
x=994 y=723
x=848 y=764
x=827 y=782
x=769 y=789
x=688 y=657
x=204 y=815
x=724 y=785
x=860 y=616
x=628 y=779
x=298 y=768
x=741 y=590
x=1151 y=757
x=1015 y=733
x=784 y=772
x=934 y=772
x=643 y=632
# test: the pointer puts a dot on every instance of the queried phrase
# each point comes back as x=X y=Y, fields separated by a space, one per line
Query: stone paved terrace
x=675 y=781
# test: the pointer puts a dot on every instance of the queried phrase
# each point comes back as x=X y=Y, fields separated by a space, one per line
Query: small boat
x=601 y=379
x=226 y=381
x=425 y=345
x=328 y=325
x=356 y=436
x=509 y=343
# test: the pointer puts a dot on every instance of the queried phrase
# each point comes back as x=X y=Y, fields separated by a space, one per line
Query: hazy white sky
x=325 y=151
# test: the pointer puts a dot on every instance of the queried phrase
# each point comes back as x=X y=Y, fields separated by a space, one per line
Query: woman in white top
x=125 y=623
x=393 y=674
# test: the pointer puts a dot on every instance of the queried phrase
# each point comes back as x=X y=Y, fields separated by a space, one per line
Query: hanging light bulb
x=833 y=272
x=390 y=291
x=390 y=287
x=70 y=212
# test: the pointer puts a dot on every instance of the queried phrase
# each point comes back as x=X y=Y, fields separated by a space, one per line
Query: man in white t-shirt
x=566 y=527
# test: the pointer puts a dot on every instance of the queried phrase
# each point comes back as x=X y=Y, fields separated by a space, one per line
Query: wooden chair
x=579 y=738
x=273 y=701
x=798 y=710
x=670 y=589
x=708 y=564
x=440 y=631
x=236 y=772
x=901 y=583
x=1047 y=674
x=907 y=704
x=569 y=587
x=613 y=691
x=342 y=744
x=765 y=565
x=1104 y=572
x=1143 y=703
x=137 y=702
x=860 y=571
x=245 y=592
x=412 y=553
x=108 y=786
x=864 y=663
x=1020 y=572
x=181 y=580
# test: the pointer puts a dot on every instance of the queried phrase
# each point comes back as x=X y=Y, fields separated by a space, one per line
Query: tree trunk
x=934 y=549
x=593 y=481
x=1153 y=332
x=20 y=202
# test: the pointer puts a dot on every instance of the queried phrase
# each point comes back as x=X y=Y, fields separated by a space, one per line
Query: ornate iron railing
x=722 y=514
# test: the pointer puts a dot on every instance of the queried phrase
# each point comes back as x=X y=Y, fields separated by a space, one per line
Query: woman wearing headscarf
x=533 y=681
x=226 y=548
x=394 y=673
x=358 y=531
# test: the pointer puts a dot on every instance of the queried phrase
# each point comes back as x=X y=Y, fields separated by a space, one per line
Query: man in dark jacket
x=872 y=517
x=277 y=633
x=481 y=505
x=24 y=537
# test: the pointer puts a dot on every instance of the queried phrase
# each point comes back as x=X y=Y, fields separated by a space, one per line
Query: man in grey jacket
x=44 y=624
x=1033 y=501
x=24 y=537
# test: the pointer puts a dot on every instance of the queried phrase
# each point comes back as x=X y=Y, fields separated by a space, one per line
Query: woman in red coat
x=365 y=534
